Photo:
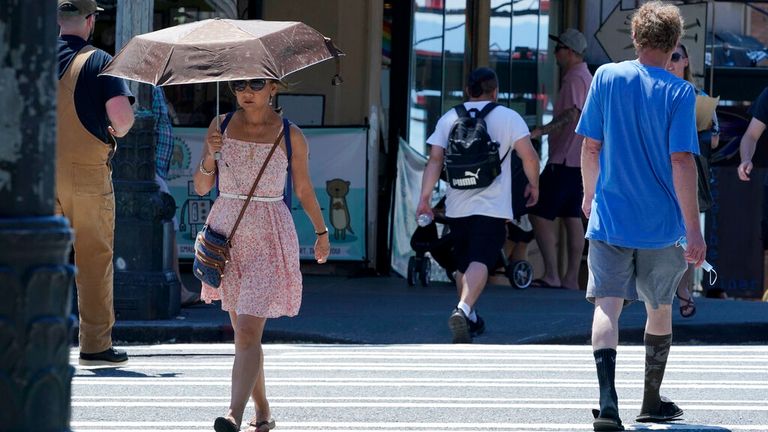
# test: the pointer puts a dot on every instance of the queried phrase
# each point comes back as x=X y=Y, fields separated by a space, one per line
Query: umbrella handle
x=217 y=155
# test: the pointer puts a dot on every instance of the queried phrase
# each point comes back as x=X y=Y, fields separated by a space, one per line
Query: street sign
x=614 y=35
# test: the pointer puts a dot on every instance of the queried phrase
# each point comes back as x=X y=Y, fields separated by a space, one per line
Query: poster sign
x=338 y=168
x=614 y=35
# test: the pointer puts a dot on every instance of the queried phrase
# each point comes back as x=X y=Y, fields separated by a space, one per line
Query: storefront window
x=455 y=39
x=427 y=72
x=519 y=52
x=517 y=49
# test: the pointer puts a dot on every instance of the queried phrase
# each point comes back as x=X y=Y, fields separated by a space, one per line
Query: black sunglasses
x=558 y=47
x=676 y=57
x=254 y=84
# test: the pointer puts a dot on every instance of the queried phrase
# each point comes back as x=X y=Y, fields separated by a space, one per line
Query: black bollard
x=145 y=287
x=36 y=279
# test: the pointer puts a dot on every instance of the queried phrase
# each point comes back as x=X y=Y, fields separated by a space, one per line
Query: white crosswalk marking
x=424 y=388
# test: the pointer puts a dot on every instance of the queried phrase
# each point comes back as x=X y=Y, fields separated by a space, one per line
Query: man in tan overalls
x=91 y=111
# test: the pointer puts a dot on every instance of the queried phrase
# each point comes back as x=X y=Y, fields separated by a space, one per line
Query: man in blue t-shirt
x=91 y=110
x=640 y=197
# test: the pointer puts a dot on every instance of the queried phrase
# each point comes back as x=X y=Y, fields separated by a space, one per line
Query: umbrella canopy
x=221 y=50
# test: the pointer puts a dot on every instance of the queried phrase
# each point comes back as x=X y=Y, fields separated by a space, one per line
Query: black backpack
x=471 y=157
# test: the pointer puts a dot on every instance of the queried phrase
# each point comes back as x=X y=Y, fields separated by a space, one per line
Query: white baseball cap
x=573 y=39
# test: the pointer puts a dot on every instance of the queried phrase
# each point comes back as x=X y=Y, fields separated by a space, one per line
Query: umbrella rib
x=167 y=61
x=272 y=60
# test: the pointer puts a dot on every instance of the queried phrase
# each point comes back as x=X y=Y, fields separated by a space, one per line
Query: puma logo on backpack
x=471 y=157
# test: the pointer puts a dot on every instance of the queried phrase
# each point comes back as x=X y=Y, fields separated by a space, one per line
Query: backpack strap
x=461 y=111
x=486 y=109
x=287 y=193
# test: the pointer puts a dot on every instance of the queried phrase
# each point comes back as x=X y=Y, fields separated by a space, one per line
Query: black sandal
x=223 y=424
x=263 y=425
x=687 y=306
x=605 y=424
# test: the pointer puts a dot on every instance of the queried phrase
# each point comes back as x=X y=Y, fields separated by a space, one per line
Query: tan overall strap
x=69 y=79
x=255 y=183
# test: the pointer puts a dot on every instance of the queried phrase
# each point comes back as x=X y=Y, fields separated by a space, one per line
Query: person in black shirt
x=759 y=111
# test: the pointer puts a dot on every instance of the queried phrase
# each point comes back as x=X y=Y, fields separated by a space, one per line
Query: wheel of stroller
x=411 y=276
x=426 y=267
x=520 y=274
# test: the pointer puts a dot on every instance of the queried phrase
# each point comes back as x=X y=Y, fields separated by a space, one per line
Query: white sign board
x=614 y=35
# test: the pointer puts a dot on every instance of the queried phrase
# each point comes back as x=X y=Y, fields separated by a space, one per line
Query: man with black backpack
x=472 y=143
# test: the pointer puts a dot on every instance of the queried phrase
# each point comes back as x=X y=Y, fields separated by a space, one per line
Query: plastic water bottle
x=424 y=220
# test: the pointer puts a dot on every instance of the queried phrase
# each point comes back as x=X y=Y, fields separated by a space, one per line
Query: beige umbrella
x=222 y=50
x=217 y=50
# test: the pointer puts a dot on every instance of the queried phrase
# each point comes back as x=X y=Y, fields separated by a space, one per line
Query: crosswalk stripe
x=351 y=404
x=422 y=427
x=439 y=368
x=216 y=399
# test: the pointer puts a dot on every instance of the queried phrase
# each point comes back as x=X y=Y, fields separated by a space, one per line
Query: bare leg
x=544 y=230
x=248 y=363
x=259 y=395
x=473 y=283
x=605 y=323
x=575 y=231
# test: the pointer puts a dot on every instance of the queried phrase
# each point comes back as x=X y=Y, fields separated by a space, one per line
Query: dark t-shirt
x=759 y=108
x=92 y=91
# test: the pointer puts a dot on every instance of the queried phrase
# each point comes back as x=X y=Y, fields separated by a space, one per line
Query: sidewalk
x=384 y=310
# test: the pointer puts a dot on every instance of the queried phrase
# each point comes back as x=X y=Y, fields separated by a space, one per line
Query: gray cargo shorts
x=652 y=275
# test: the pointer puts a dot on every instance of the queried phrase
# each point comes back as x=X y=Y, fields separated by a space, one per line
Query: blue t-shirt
x=641 y=114
x=92 y=91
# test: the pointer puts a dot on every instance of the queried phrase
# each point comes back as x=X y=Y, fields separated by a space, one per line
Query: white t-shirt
x=505 y=126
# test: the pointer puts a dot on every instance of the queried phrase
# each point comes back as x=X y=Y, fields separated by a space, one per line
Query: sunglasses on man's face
x=254 y=84
x=559 y=47
x=676 y=57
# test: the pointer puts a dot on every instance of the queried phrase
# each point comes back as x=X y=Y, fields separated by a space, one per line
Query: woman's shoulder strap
x=225 y=122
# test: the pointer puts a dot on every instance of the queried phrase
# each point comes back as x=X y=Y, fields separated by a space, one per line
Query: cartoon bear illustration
x=337 y=210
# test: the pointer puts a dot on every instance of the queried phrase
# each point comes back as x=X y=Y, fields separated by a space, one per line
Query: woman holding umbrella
x=262 y=279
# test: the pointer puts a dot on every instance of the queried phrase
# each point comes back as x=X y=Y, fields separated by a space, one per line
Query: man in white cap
x=91 y=111
x=561 y=190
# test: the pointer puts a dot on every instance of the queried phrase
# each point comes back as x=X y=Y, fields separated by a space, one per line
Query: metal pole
x=35 y=322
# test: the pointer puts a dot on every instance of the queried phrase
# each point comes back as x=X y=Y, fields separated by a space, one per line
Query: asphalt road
x=420 y=388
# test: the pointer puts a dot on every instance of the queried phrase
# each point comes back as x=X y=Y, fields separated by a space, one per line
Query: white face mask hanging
x=681 y=242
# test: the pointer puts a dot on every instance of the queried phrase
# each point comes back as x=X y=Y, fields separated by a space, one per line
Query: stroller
x=425 y=239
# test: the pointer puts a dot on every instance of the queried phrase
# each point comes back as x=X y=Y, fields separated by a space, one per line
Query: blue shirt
x=91 y=91
x=642 y=114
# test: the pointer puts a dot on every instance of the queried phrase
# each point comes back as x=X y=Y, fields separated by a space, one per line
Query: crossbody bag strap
x=255 y=183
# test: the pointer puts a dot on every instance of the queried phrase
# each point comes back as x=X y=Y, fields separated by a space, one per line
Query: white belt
x=253 y=198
